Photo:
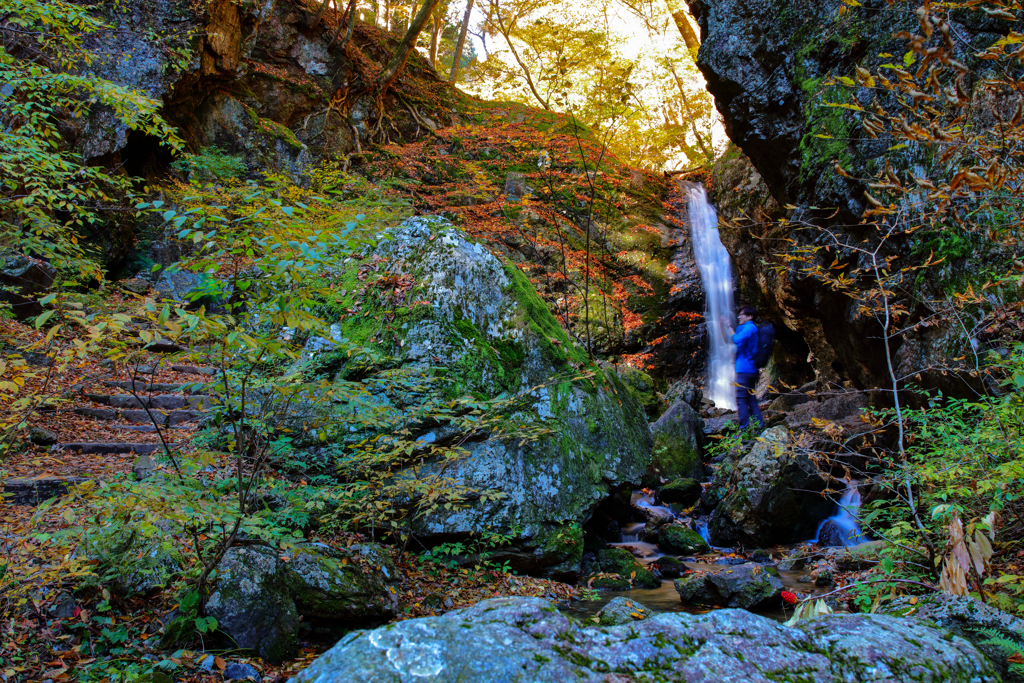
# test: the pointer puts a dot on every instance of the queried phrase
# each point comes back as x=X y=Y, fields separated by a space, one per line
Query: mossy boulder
x=640 y=386
x=526 y=639
x=679 y=540
x=669 y=567
x=616 y=561
x=621 y=562
x=769 y=495
x=965 y=617
x=610 y=583
x=678 y=446
x=486 y=333
x=261 y=598
x=685 y=492
x=744 y=586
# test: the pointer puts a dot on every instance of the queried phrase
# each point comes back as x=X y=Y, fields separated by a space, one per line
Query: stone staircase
x=132 y=411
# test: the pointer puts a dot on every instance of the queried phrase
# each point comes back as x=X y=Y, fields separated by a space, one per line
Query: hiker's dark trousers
x=746 y=400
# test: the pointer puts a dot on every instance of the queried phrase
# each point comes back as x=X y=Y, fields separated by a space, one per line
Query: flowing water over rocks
x=716 y=273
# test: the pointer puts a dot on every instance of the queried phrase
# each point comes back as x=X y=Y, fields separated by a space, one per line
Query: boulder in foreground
x=528 y=640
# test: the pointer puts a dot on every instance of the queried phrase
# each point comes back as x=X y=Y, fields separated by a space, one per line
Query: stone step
x=115 y=448
x=162 y=417
x=35 y=490
x=140 y=386
x=163 y=346
x=191 y=370
x=158 y=402
x=147 y=429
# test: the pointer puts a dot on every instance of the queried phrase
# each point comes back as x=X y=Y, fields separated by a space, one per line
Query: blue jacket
x=746 y=339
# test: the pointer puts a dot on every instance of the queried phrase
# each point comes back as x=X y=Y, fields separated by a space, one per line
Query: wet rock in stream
x=618 y=570
x=622 y=610
x=744 y=586
x=679 y=540
x=684 y=492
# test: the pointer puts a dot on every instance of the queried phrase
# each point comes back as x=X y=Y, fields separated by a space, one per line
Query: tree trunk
x=412 y=12
x=689 y=113
x=682 y=20
x=405 y=48
x=435 y=39
x=461 y=44
x=506 y=34
x=351 y=14
x=319 y=14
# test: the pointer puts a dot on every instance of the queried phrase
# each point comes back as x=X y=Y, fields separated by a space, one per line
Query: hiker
x=746 y=340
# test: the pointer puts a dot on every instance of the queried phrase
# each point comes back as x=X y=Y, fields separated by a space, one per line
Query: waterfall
x=716 y=273
x=842 y=529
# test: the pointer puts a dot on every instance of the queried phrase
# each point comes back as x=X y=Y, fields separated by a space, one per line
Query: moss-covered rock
x=744 y=586
x=610 y=583
x=681 y=541
x=640 y=386
x=967 y=618
x=527 y=639
x=620 y=610
x=260 y=598
x=678 y=446
x=685 y=492
x=489 y=335
x=768 y=496
x=621 y=562
x=669 y=567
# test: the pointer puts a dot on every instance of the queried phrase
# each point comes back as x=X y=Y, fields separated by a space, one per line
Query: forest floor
x=61 y=621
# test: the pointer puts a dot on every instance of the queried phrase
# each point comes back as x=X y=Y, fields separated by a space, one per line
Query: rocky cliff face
x=769 y=65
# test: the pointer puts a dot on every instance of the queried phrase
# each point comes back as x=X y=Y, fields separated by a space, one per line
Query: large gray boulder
x=492 y=335
x=522 y=640
x=743 y=586
x=262 y=595
x=967 y=618
x=768 y=496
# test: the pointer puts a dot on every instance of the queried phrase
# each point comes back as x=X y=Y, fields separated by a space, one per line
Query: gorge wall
x=771 y=66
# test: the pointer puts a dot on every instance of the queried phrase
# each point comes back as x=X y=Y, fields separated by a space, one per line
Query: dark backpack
x=765 y=345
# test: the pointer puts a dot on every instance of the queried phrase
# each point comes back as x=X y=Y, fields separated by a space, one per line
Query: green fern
x=1009 y=647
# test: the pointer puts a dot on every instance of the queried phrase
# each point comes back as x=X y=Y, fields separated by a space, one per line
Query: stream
x=841 y=529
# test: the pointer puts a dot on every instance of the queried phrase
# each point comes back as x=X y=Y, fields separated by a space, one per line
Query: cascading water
x=842 y=528
x=716 y=273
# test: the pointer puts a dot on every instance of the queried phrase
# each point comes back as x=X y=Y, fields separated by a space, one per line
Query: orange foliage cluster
x=640 y=361
x=461 y=172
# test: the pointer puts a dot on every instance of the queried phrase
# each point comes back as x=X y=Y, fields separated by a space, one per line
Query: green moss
x=610 y=583
x=684 y=491
x=674 y=458
x=680 y=540
x=541 y=322
x=273 y=129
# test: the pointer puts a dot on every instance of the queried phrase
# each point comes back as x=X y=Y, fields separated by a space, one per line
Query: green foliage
x=47 y=192
x=210 y=164
x=481 y=548
x=1013 y=649
x=965 y=460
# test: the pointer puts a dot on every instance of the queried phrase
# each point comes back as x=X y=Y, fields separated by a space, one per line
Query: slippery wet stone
x=742 y=586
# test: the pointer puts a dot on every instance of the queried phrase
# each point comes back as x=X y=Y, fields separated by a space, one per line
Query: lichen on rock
x=490 y=335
